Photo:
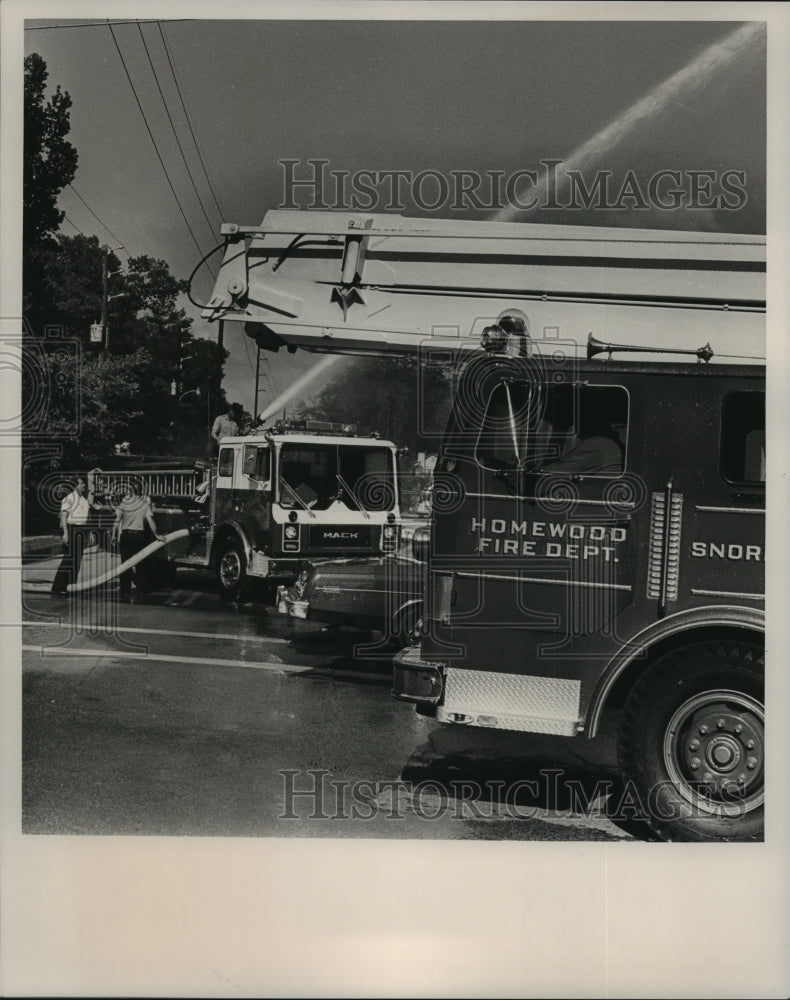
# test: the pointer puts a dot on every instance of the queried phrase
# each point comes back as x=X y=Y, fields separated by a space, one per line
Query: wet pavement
x=187 y=716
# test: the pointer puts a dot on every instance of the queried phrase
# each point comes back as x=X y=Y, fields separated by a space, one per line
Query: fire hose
x=130 y=562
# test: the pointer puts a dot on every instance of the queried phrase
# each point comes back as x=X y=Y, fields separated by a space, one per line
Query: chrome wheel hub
x=714 y=752
x=230 y=568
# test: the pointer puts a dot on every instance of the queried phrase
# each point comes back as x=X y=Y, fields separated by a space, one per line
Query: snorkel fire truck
x=598 y=506
x=299 y=491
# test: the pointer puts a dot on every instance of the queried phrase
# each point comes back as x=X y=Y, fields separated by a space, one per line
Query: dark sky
x=384 y=95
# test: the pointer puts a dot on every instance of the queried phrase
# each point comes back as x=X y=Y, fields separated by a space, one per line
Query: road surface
x=187 y=716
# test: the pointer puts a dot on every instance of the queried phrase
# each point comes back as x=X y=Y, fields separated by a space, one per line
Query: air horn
x=595 y=346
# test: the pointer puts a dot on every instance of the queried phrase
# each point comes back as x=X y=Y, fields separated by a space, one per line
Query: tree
x=100 y=382
x=49 y=164
x=142 y=307
x=143 y=316
x=150 y=293
x=405 y=401
x=154 y=387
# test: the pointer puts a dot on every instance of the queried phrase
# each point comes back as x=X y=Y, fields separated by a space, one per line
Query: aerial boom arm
x=382 y=284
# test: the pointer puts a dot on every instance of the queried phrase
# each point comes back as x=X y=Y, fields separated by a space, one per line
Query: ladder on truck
x=384 y=284
x=171 y=484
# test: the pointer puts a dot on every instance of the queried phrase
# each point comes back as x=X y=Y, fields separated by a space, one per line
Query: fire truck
x=301 y=490
x=598 y=524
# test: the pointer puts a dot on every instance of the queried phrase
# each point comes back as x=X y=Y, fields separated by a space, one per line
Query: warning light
x=508 y=336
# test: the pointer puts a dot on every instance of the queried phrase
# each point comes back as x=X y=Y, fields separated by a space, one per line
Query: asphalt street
x=184 y=715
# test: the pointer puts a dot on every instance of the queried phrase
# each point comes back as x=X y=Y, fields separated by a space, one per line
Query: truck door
x=585 y=501
x=724 y=526
x=544 y=542
x=255 y=493
x=224 y=505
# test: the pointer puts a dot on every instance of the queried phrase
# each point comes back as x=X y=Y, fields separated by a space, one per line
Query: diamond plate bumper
x=520 y=702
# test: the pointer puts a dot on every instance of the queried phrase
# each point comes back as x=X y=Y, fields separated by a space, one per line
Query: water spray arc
x=293 y=391
x=686 y=81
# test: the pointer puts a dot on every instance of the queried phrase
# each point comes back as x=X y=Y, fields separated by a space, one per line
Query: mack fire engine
x=298 y=491
x=598 y=537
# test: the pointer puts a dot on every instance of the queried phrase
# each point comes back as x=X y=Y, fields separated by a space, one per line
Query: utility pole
x=105 y=333
x=218 y=371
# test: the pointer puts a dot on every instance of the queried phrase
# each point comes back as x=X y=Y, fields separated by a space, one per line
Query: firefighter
x=131 y=517
x=226 y=425
x=597 y=447
x=75 y=510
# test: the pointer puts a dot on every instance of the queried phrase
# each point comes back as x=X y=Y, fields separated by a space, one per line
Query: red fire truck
x=598 y=507
x=299 y=491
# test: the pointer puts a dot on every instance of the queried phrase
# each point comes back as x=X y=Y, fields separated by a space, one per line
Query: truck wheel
x=231 y=570
x=692 y=743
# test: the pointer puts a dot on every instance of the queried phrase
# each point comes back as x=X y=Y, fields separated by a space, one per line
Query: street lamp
x=198 y=393
x=174 y=391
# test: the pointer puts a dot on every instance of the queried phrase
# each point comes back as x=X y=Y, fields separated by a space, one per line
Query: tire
x=692 y=743
x=231 y=570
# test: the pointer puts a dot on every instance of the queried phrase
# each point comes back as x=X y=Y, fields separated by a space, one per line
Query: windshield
x=313 y=476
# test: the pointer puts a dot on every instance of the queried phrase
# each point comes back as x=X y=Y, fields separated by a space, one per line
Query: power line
x=96 y=217
x=153 y=141
x=189 y=121
x=175 y=134
x=97 y=24
x=272 y=379
x=72 y=224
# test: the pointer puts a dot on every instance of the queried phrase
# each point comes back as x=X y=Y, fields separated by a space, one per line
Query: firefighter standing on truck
x=226 y=425
x=131 y=517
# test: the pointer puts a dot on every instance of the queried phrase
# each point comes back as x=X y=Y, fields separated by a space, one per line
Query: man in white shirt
x=226 y=425
x=132 y=515
x=75 y=511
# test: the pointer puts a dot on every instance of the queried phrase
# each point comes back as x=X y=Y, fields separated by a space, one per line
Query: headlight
x=389 y=531
x=291 y=531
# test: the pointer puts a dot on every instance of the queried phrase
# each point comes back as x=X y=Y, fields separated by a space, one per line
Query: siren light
x=508 y=336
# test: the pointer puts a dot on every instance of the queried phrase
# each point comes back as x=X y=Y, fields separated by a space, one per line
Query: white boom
x=356 y=283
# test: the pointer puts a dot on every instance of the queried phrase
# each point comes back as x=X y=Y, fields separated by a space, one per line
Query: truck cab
x=302 y=490
x=297 y=493
x=601 y=542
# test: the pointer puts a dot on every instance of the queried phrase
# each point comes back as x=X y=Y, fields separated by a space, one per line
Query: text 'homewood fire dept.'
x=533 y=538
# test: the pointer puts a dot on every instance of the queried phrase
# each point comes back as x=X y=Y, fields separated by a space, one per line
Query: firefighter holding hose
x=132 y=515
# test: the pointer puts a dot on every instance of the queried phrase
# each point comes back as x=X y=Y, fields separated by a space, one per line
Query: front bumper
x=289 y=604
x=415 y=679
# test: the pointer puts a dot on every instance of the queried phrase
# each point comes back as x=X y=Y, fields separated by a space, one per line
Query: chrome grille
x=658 y=561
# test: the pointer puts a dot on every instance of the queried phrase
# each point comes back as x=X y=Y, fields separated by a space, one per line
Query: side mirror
x=255 y=462
x=250 y=462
